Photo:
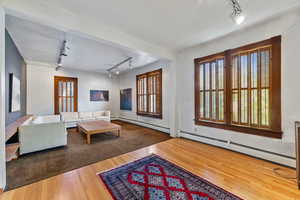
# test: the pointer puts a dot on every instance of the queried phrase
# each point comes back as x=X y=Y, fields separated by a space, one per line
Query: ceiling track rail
x=119 y=64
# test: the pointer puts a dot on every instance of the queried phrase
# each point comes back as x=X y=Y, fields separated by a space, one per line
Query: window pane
x=235 y=72
x=201 y=77
x=68 y=89
x=235 y=106
x=244 y=106
x=145 y=103
x=214 y=106
x=244 y=71
x=64 y=105
x=140 y=103
x=60 y=88
x=151 y=104
x=254 y=106
x=201 y=104
x=221 y=73
x=213 y=75
x=64 y=92
x=221 y=106
x=265 y=107
x=68 y=104
x=155 y=102
x=60 y=104
x=141 y=86
x=145 y=86
x=207 y=105
x=265 y=62
x=154 y=85
x=72 y=104
x=207 y=76
x=254 y=70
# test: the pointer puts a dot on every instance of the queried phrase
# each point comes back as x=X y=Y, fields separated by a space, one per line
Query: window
x=211 y=80
x=149 y=94
x=240 y=89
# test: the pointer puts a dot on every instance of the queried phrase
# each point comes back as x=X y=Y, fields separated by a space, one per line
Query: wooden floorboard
x=244 y=176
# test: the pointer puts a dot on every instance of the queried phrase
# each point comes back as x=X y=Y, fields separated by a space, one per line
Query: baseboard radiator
x=241 y=148
x=144 y=124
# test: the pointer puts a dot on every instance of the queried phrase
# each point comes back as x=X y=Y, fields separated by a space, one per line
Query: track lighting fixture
x=65 y=48
x=115 y=69
x=63 y=53
x=237 y=14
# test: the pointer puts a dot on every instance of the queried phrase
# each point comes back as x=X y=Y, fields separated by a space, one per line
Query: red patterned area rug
x=154 y=178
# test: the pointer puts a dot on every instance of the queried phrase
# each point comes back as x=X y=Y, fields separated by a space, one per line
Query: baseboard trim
x=206 y=137
x=145 y=124
x=273 y=157
x=265 y=151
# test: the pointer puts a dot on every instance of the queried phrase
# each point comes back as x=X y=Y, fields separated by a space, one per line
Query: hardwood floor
x=244 y=176
x=37 y=166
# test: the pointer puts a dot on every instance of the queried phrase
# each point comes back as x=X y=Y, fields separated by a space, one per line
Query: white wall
x=128 y=80
x=40 y=89
x=289 y=27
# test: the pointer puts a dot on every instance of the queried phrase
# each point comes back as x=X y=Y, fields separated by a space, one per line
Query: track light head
x=237 y=14
x=238 y=18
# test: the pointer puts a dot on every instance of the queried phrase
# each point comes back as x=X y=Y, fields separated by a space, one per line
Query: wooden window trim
x=148 y=114
x=56 y=81
x=275 y=130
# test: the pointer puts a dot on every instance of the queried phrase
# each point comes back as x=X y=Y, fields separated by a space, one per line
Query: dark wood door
x=65 y=94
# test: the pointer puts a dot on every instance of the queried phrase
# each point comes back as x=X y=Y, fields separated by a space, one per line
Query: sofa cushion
x=69 y=116
x=85 y=115
x=87 y=119
x=46 y=119
x=103 y=118
x=99 y=114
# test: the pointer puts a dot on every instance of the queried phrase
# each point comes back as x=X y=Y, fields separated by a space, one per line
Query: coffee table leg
x=88 y=137
x=119 y=132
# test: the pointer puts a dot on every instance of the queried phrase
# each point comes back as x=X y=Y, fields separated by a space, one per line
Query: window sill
x=241 y=129
x=150 y=115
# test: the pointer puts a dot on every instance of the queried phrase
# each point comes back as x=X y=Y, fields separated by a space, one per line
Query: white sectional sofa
x=42 y=132
x=72 y=118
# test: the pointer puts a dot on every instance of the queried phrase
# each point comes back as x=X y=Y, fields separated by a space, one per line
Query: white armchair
x=42 y=132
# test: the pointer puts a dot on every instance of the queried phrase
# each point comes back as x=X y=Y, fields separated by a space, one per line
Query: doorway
x=65 y=94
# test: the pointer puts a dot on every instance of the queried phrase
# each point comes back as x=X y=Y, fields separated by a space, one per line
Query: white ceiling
x=40 y=43
x=174 y=24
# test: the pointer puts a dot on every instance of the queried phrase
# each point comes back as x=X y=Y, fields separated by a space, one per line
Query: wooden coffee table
x=97 y=127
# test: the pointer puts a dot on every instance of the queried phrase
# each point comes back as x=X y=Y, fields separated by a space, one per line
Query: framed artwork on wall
x=14 y=93
x=99 y=95
x=126 y=99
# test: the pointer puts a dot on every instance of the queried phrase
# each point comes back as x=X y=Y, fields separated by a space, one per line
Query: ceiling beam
x=43 y=12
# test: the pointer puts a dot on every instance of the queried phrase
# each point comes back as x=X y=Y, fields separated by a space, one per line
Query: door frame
x=56 y=102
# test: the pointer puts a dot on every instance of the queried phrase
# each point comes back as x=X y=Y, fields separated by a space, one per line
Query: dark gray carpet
x=40 y=165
